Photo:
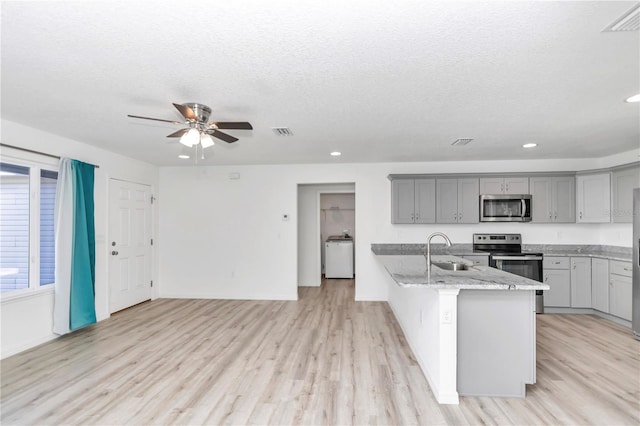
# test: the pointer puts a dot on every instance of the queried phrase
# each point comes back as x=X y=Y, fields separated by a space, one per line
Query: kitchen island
x=473 y=331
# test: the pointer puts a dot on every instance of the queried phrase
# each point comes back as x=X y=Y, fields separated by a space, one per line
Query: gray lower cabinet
x=457 y=200
x=580 y=282
x=557 y=275
x=622 y=184
x=413 y=201
x=600 y=284
x=620 y=289
x=553 y=199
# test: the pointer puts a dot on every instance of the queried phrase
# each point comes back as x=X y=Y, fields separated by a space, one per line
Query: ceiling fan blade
x=155 y=119
x=240 y=125
x=179 y=133
x=222 y=136
x=186 y=112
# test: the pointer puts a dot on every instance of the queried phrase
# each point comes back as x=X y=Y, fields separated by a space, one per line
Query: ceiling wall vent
x=630 y=21
x=282 y=131
x=461 y=141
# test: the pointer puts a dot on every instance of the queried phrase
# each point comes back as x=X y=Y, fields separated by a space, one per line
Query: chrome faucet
x=428 y=254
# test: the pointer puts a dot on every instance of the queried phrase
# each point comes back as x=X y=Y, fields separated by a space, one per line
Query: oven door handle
x=516 y=257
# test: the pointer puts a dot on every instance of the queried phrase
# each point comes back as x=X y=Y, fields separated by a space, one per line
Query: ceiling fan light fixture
x=206 y=140
x=635 y=98
x=191 y=138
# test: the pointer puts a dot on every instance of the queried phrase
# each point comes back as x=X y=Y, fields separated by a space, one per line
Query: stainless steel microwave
x=505 y=208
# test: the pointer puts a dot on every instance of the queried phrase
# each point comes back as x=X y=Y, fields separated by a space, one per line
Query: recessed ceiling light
x=184 y=153
x=529 y=145
x=336 y=153
x=635 y=98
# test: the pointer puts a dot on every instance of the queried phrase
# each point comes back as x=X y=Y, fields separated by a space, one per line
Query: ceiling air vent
x=461 y=141
x=630 y=21
x=282 y=131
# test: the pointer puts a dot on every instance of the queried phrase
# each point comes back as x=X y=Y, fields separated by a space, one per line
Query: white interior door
x=129 y=244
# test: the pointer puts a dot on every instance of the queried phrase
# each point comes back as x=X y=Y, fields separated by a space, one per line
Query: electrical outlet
x=446 y=317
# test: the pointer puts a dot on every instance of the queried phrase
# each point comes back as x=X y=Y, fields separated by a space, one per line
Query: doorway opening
x=324 y=210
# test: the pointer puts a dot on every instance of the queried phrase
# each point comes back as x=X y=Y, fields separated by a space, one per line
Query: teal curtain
x=82 y=310
x=74 y=300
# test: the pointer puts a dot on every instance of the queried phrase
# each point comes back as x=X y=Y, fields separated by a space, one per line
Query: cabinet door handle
x=501 y=187
x=459 y=218
x=507 y=187
x=627 y=269
x=580 y=215
x=417 y=216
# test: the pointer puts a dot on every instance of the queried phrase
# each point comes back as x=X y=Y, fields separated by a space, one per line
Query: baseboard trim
x=27 y=345
x=228 y=297
x=588 y=311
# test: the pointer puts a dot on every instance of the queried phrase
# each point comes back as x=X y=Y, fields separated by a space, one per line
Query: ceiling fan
x=200 y=130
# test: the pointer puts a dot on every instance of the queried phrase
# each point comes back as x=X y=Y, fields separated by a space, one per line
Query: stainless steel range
x=505 y=253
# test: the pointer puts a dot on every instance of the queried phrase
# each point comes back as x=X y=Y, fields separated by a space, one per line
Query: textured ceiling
x=380 y=81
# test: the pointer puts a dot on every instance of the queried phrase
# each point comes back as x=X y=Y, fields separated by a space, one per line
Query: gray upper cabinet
x=504 y=185
x=593 y=194
x=553 y=199
x=622 y=184
x=457 y=200
x=413 y=201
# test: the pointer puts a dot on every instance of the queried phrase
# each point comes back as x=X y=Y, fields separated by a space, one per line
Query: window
x=27 y=241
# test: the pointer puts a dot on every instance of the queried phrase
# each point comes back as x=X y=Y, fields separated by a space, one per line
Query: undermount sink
x=451 y=266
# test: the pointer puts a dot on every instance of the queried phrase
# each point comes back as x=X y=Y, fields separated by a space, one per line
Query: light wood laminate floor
x=324 y=359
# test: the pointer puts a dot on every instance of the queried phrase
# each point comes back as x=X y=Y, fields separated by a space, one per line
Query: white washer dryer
x=338 y=252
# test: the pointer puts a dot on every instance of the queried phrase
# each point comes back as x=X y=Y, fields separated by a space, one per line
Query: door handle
x=114 y=253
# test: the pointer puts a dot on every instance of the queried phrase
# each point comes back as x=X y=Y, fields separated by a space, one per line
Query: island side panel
x=496 y=342
x=418 y=311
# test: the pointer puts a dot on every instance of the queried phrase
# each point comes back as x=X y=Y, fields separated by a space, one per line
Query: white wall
x=28 y=321
x=226 y=238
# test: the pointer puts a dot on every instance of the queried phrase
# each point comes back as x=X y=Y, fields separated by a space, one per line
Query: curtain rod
x=40 y=153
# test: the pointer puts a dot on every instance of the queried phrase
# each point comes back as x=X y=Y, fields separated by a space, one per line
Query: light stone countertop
x=573 y=250
x=411 y=271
